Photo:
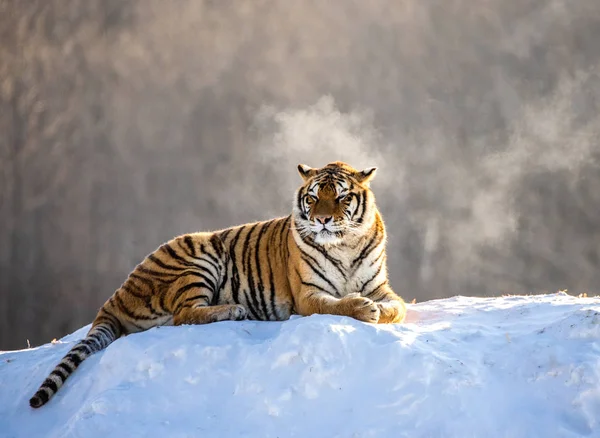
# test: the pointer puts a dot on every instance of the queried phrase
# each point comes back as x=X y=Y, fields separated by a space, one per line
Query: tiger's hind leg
x=192 y=304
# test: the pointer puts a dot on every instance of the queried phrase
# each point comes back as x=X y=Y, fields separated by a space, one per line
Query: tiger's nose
x=323 y=219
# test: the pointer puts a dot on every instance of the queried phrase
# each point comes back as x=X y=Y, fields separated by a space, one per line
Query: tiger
x=327 y=257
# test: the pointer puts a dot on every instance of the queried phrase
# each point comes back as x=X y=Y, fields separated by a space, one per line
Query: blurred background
x=125 y=123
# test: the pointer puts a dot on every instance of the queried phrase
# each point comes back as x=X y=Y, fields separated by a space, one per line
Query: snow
x=517 y=366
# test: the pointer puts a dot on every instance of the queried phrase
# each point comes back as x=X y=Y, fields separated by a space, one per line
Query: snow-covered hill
x=461 y=367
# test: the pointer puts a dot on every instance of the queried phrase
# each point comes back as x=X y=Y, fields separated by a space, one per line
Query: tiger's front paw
x=391 y=313
x=360 y=308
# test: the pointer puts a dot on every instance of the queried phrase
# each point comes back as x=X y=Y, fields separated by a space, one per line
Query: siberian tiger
x=328 y=256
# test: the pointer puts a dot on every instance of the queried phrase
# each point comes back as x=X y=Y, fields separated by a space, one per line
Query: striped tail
x=99 y=337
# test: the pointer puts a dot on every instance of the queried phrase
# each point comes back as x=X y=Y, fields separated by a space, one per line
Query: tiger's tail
x=100 y=336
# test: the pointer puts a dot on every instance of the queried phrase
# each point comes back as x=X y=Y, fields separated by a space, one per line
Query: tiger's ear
x=306 y=171
x=365 y=176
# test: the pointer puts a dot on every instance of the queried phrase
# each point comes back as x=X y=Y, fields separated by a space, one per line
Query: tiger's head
x=334 y=203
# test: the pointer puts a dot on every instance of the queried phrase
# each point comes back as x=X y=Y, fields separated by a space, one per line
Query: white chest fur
x=346 y=270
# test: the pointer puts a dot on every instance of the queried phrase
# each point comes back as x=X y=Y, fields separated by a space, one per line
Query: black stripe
x=111 y=320
x=90 y=341
x=271 y=288
x=124 y=309
x=185 y=262
x=336 y=263
x=225 y=233
x=306 y=283
x=93 y=342
x=195 y=272
x=162 y=296
x=189 y=302
x=163 y=265
x=271 y=283
x=245 y=253
x=101 y=319
x=103 y=336
x=174 y=255
x=362 y=289
x=363 y=204
x=277 y=223
x=190 y=244
x=213 y=263
x=184 y=273
x=103 y=340
x=317 y=271
x=217 y=245
x=217 y=296
x=60 y=374
x=249 y=271
x=204 y=252
x=209 y=281
x=188 y=254
x=188 y=287
x=144 y=280
x=190 y=264
x=365 y=251
x=104 y=330
x=50 y=384
x=235 y=275
x=65 y=367
x=223 y=267
x=299 y=205
x=43 y=395
x=377 y=288
x=74 y=358
x=217 y=274
x=374 y=242
x=235 y=282
x=382 y=253
x=283 y=240
x=248 y=305
x=157 y=274
x=260 y=285
x=197 y=297
x=145 y=298
x=81 y=349
x=129 y=288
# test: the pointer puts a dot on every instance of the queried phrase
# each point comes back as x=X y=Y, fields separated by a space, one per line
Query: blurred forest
x=125 y=123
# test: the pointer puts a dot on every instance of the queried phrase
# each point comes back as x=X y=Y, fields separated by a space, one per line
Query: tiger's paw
x=391 y=313
x=361 y=308
x=237 y=312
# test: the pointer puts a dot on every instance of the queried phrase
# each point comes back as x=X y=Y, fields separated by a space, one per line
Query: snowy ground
x=461 y=367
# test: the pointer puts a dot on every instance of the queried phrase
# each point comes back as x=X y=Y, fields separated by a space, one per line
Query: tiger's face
x=334 y=203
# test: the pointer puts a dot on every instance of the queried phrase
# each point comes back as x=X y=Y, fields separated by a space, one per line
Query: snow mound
x=460 y=367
